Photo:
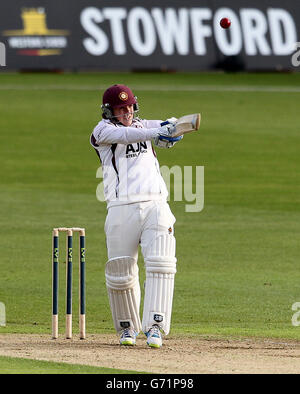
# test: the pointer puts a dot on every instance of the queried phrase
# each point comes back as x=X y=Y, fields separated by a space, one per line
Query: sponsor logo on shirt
x=134 y=150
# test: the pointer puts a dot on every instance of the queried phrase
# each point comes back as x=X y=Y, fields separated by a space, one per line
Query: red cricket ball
x=225 y=23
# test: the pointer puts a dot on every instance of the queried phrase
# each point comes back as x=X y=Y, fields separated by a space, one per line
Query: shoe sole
x=154 y=345
x=127 y=343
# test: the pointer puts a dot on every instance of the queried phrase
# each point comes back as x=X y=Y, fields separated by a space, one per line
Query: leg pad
x=122 y=282
x=160 y=263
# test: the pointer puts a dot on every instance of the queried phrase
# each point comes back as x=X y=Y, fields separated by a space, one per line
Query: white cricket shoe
x=154 y=337
x=128 y=337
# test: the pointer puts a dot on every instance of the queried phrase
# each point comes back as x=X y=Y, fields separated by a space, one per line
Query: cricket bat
x=186 y=124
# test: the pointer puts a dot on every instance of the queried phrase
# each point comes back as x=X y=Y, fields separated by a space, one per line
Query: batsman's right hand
x=164 y=137
x=166 y=142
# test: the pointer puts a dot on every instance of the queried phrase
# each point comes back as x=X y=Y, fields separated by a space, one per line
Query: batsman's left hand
x=172 y=120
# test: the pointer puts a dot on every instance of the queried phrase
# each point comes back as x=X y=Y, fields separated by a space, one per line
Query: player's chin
x=127 y=122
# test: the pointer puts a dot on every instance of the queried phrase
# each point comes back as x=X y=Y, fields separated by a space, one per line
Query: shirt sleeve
x=109 y=134
x=148 y=124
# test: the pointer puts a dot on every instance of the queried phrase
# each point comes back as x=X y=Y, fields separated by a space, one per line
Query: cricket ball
x=225 y=23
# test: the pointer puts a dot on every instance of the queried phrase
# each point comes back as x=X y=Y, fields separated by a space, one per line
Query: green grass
x=12 y=365
x=238 y=259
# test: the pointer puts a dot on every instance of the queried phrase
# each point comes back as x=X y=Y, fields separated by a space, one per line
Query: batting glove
x=164 y=137
x=172 y=120
x=166 y=142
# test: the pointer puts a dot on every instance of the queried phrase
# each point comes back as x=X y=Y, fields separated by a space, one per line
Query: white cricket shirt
x=130 y=167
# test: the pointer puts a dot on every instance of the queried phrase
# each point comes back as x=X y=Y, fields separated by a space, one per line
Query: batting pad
x=122 y=282
x=160 y=264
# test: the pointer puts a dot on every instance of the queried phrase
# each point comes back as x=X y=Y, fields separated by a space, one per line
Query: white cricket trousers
x=151 y=225
x=127 y=226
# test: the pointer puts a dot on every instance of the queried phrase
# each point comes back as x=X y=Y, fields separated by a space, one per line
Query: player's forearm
x=126 y=135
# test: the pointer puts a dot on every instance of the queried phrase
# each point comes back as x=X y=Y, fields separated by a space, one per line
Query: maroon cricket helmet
x=118 y=96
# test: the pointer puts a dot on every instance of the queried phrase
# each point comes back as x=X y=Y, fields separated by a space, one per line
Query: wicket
x=55 y=286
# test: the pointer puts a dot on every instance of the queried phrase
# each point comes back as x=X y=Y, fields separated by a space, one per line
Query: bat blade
x=187 y=124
